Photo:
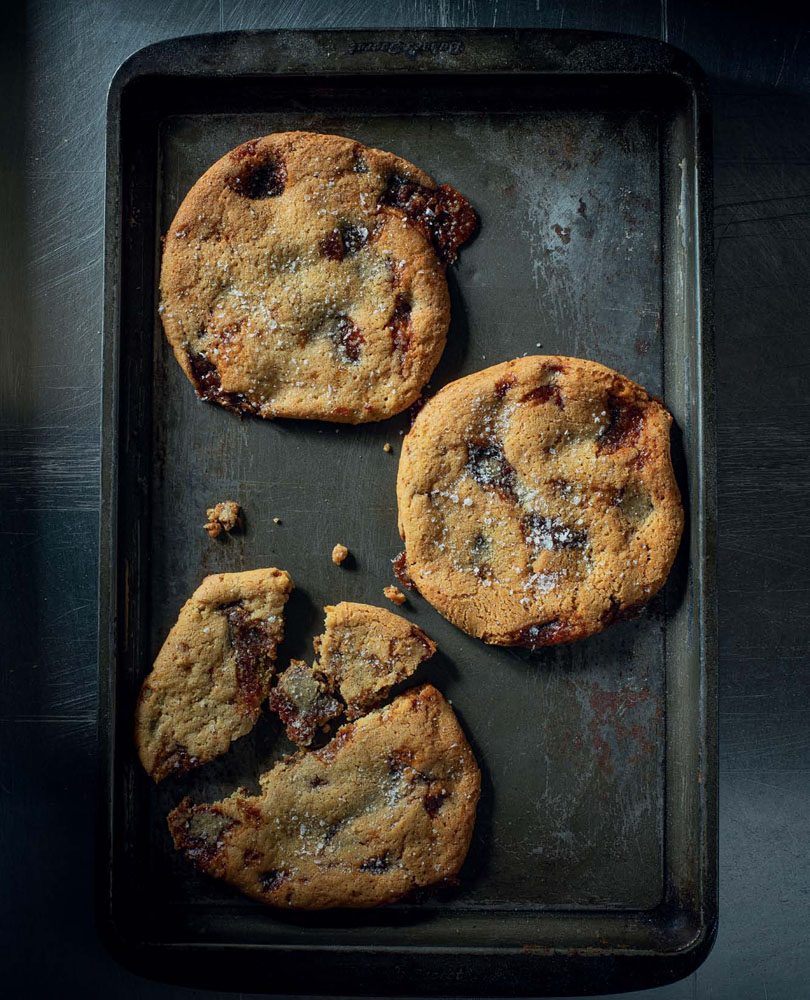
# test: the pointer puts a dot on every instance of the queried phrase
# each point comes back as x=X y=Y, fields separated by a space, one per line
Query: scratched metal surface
x=585 y=186
x=572 y=740
x=58 y=58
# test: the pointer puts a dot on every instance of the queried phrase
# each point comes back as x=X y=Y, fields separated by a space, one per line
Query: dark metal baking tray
x=593 y=866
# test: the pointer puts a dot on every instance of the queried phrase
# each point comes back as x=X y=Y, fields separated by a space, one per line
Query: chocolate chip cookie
x=386 y=807
x=214 y=671
x=537 y=500
x=304 y=276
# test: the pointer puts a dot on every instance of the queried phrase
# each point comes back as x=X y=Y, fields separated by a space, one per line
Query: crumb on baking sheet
x=395 y=594
x=225 y=516
x=339 y=554
x=387 y=448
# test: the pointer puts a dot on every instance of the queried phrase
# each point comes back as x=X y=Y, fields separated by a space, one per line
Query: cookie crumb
x=387 y=448
x=395 y=595
x=276 y=520
x=225 y=516
x=339 y=554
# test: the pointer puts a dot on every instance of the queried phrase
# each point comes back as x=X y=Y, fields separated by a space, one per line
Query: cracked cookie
x=537 y=500
x=363 y=652
x=304 y=276
x=213 y=672
x=386 y=807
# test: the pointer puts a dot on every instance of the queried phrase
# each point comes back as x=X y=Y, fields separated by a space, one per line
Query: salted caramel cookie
x=364 y=651
x=386 y=807
x=537 y=500
x=304 y=276
x=213 y=672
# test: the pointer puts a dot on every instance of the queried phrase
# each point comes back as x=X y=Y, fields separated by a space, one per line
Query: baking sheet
x=593 y=857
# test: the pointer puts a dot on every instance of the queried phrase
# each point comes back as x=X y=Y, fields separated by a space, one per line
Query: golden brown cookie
x=364 y=651
x=537 y=500
x=304 y=276
x=214 y=671
x=388 y=806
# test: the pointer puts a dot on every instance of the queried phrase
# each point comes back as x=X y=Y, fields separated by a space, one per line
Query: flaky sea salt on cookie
x=537 y=500
x=388 y=806
x=304 y=276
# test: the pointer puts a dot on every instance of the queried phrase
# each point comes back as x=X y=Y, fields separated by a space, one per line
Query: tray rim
x=405 y=52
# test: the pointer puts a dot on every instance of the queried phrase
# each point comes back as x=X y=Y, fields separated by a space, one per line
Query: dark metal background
x=58 y=60
x=593 y=864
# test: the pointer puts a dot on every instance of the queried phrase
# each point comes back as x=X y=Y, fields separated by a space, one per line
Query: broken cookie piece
x=303 y=701
x=394 y=594
x=386 y=807
x=225 y=516
x=339 y=554
x=214 y=671
x=364 y=651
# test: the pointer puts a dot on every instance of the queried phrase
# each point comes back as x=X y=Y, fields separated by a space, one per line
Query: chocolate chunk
x=354 y=238
x=375 y=866
x=272 y=879
x=546 y=634
x=481 y=547
x=246 y=149
x=259 y=180
x=624 y=424
x=544 y=393
x=400 y=565
x=502 y=386
x=199 y=831
x=178 y=761
x=446 y=216
x=489 y=467
x=254 y=648
x=635 y=503
x=303 y=701
x=332 y=246
x=349 y=339
x=209 y=387
x=359 y=166
x=400 y=328
x=343 y=241
x=434 y=802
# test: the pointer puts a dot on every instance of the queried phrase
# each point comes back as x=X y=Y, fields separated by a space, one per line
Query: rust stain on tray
x=621 y=721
